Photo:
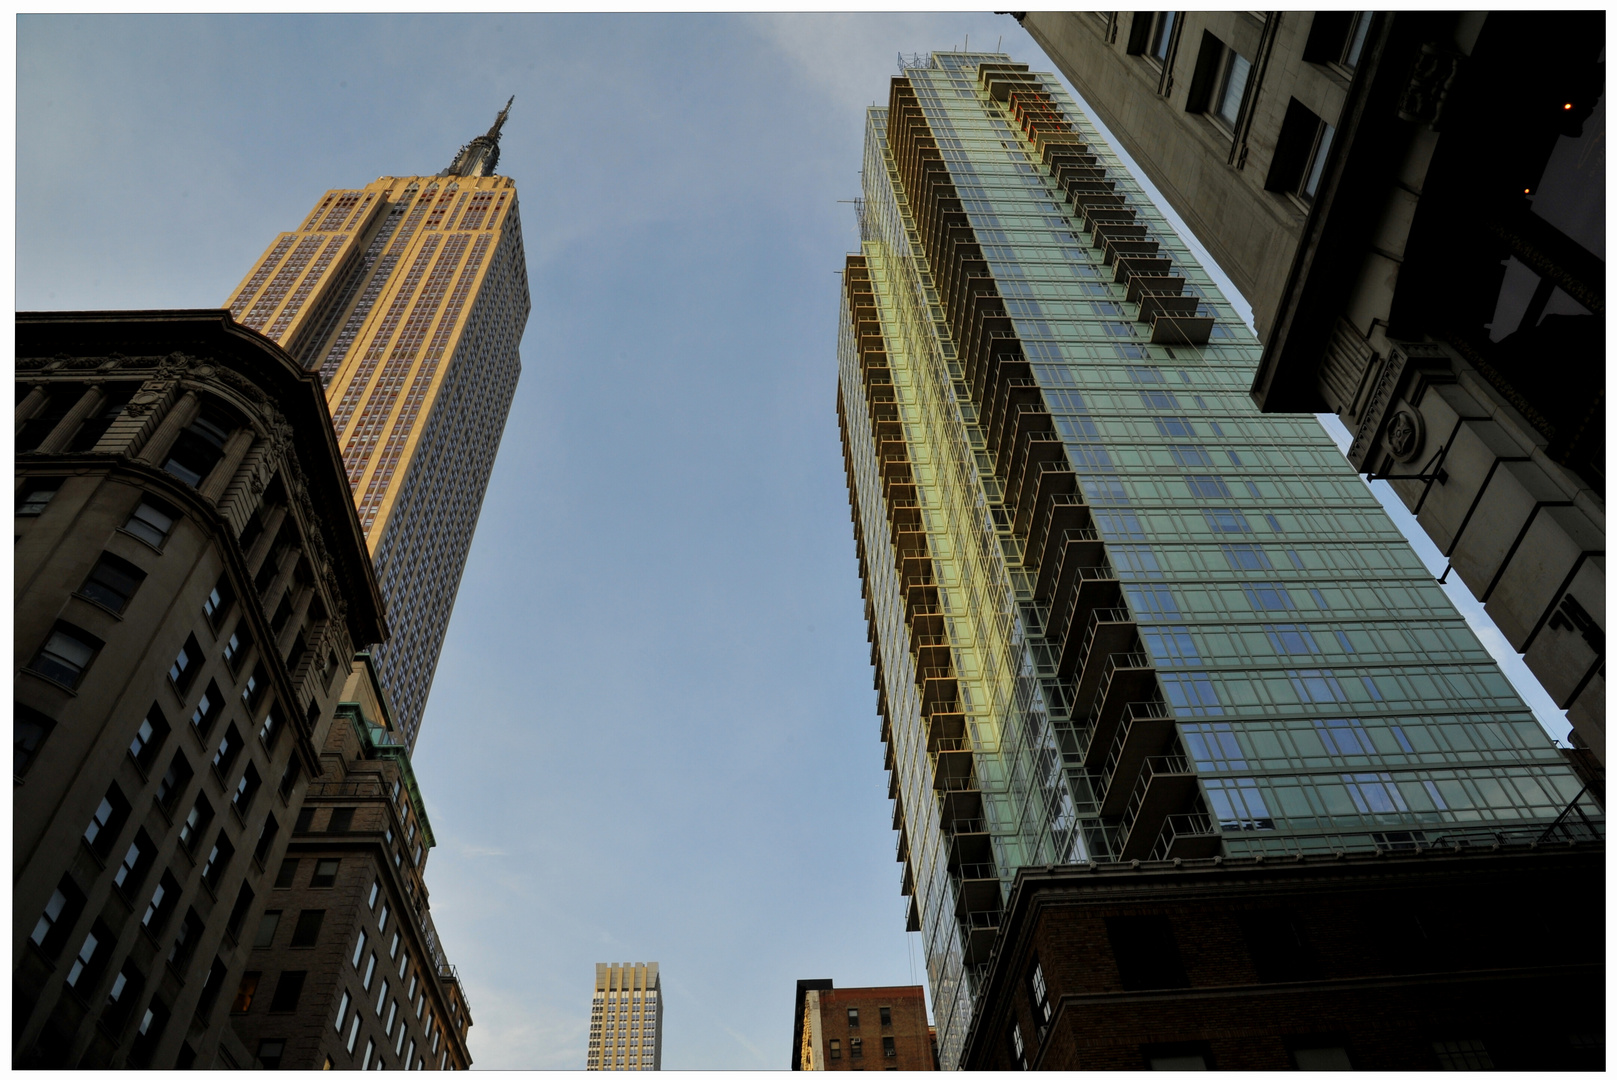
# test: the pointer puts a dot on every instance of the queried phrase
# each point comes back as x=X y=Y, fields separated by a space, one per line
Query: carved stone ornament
x=1429 y=84
x=1406 y=433
x=176 y=364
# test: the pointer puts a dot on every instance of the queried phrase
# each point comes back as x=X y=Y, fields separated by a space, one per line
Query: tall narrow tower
x=409 y=296
x=1117 y=613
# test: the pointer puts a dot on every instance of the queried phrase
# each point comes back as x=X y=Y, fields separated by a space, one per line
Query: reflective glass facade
x=1116 y=613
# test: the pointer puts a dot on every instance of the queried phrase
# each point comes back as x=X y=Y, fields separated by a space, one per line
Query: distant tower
x=409 y=297
x=626 y=1018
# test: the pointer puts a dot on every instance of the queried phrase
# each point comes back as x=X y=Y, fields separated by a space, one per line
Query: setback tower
x=1116 y=612
x=626 y=1018
x=409 y=297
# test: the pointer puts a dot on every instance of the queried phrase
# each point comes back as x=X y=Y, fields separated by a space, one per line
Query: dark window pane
x=287 y=991
x=307 y=932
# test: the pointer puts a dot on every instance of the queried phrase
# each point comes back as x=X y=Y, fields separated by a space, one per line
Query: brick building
x=1485 y=956
x=191 y=580
x=865 y=1027
x=346 y=970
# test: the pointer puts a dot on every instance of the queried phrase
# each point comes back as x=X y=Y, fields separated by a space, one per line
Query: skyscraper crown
x=482 y=154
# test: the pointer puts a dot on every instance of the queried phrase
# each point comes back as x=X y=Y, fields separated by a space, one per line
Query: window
x=1226 y=521
x=268 y=923
x=1177 y=1057
x=218 y=860
x=36 y=495
x=270 y=1052
x=210 y=988
x=887 y=1047
x=1146 y=954
x=246 y=789
x=29 y=729
x=353 y=1032
x=245 y=991
x=1337 y=38
x=1151 y=33
x=307 y=932
x=112 y=582
x=1039 y=995
x=856 y=1046
x=836 y=1049
x=359 y=947
x=886 y=1016
x=270 y=731
x=65 y=655
x=56 y=921
x=207 y=710
x=376 y=888
x=254 y=688
x=1462 y=1054
x=392 y=1012
x=162 y=903
x=341 y=821
x=149 y=738
x=152 y=1023
x=1207 y=487
x=289 y=779
x=266 y=839
x=126 y=988
x=287 y=991
x=229 y=747
x=200 y=446
x=238 y=644
x=305 y=820
x=1018 y=1048
x=85 y=962
x=106 y=822
x=1321 y=1058
x=370 y=1052
x=370 y=971
x=152 y=521
x=220 y=599
x=283 y=878
x=325 y=873
x=342 y=1011
x=1301 y=151
x=113 y=400
x=179 y=955
x=853 y=1018
x=393 y=949
x=186 y=665
x=136 y=862
x=1231 y=86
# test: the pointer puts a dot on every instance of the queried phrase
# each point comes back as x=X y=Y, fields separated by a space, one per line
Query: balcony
x=1146 y=732
x=1110 y=630
x=895 y=467
x=977 y=887
x=930 y=650
x=1093 y=587
x=1128 y=685
x=1069 y=550
x=1106 y=233
x=1041 y=484
x=1128 y=267
x=1143 y=285
x=945 y=731
x=1063 y=512
x=1169 y=329
x=925 y=620
x=938 y=687
x=1186 y=836
x=1025 y=455
x=902 y=512
x=1128 y=248
x=1166 y=784
x=910 y=541
x=978 y=931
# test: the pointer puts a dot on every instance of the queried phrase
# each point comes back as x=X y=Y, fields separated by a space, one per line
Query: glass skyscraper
x=1116 y=613
x=409 y=297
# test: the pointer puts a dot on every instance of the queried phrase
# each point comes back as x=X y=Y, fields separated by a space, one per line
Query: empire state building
x=409 y=296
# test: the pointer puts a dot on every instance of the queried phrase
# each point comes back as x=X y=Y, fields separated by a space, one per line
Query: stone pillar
x=300 y=610
x=157 y=447
x=218 y=481
x=261 y=546
x=28 y=406
x=64 y=431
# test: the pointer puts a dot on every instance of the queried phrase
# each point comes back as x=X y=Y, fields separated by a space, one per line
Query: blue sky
x=653 y=734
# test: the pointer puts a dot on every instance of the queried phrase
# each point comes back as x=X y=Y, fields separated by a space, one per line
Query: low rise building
x=191 y=581
x=863 y=1027
x=346 y=970
x=1473 y=952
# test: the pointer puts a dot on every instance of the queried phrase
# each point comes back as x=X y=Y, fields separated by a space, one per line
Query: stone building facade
x=346 y=970
x=1453 y=957
x=1414 y=205
x=862 y=1027
x=191 y=582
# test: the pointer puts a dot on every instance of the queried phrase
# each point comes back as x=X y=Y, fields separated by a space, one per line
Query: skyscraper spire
x=478 y=157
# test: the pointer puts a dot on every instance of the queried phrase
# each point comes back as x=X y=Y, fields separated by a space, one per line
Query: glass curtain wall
x=1116 y=612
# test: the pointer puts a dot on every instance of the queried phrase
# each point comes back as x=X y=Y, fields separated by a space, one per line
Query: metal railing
x=1150 y=769
x=1176 y=826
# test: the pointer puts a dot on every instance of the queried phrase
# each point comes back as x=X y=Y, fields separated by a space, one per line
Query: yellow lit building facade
x=409 y=296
